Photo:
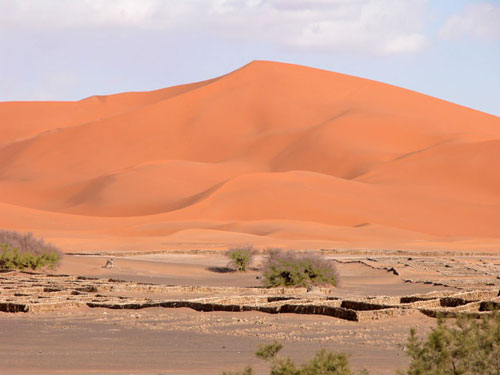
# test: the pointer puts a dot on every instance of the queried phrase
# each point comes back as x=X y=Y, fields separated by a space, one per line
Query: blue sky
x=71 y=49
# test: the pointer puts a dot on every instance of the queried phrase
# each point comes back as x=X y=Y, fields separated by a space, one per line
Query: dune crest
x=272 y=154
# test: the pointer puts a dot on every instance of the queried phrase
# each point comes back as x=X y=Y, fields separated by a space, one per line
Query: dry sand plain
x=159 y=340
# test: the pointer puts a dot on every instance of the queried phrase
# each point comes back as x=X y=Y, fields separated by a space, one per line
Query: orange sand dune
x=270 y=154
x=56 y=115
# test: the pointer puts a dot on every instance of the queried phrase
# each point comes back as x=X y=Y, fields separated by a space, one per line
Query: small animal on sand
x=110 y=263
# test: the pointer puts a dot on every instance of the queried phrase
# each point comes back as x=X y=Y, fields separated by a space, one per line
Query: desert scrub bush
x=241 y=258
x=23 y=250
x=26 y=242
x=323 y=363
x=12 y=259
x=293 y=269
x=469 y=347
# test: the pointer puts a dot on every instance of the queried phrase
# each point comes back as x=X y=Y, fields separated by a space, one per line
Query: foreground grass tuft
x=323 y=363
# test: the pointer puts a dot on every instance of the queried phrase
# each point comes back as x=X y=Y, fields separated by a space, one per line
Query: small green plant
x=323 y=363
x=293 y=269
x=470 y=346
x=268 y=352
x=241 y=258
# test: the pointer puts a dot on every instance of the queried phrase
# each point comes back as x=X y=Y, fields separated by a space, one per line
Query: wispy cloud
x=360 y=26
x=480 y=20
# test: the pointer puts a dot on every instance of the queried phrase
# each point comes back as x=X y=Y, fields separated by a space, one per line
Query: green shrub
x=12 y=259
x=293 y=269
x=240 y=258
x=268 y=352
x=471 y=346
x=323 y=363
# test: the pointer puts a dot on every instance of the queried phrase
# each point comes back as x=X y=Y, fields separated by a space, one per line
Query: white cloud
x=480 y=20
x=62 y=14
x=366 y=26
x=406 y=43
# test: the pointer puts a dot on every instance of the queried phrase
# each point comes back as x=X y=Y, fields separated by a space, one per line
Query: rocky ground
x=139 y=325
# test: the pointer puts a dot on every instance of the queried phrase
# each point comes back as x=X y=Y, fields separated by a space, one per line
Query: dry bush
x=288 y=268
x=26 y=242
x=23 y=250
x=12 y=259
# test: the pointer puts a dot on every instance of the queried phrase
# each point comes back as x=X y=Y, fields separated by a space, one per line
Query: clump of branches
x=288 y=268
x=26 y=242
x=24 y=250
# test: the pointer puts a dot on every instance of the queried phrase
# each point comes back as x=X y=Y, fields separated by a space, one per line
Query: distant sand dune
x=272 y=153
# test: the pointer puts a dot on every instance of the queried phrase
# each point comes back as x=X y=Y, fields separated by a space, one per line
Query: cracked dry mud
x=462 y=272
x=31 y=292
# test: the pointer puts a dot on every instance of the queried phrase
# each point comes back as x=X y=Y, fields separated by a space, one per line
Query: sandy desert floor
x=184 y=341
x=164 y=341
